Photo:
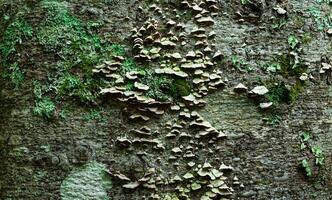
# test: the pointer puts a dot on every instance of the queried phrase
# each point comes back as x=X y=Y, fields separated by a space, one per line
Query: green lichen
x=88 y=182
x=322 y=17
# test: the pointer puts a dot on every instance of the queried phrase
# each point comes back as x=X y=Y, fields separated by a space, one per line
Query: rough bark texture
x=37 y=155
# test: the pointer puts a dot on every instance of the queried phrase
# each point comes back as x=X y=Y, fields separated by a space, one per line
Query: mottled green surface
x=88 y=182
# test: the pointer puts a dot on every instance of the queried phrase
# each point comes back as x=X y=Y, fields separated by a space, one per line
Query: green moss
x=67 y=83
x=306 y=38
x=240 y=64
x=129 y=65
x=279 y=23
x=305 y=164
x=180 y=87
x=15 y=33
x=158 y=86
x=95 y=114
x=129 y=86
x=78 y=50
x=274 y=118
x=278 y=94
x=37 y=90
x=161 y=87
x=164 y=87
x=69 y=37
x=296 y=90
x=118 y=50
x=15 y=75
x=298 y=22
x=290 y=67
x=45 y=108
x=271 y=67
x=84 y=90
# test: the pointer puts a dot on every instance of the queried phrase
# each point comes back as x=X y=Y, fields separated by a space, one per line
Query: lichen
x=88 y=182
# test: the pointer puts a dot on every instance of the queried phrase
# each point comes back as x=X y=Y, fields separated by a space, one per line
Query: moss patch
x=77 y=48
x=279 y=94
x=45 y=108
x=290 y=67
x=17 y=32
x=296 y=90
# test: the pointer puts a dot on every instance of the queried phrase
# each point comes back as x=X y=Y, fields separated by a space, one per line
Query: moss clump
x=158 y=86
x=97 y=115
x=296 y=90
x=180 y=87
x=68 y=83
x=161 y=87
x=14 y=74
x=306 y=38
x=289 y=66
x=68 y=37
x=45 y=108
x=77 y=51
x=130 y=65
x=279 y=94
x=15 y=33
x=84 y=90
x=118 y=50
x=298 y=22
x=164 y=88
